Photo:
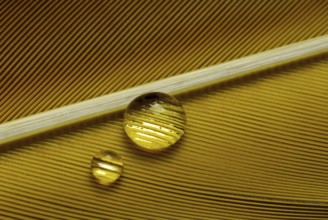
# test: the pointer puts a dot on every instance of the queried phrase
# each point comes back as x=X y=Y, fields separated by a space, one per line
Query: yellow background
x=254 y=148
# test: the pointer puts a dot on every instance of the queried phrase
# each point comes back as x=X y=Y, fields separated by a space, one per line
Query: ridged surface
x=55 y=53
x=253 y=149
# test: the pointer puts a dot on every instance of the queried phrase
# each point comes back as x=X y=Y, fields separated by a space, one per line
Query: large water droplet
x=154 y=121
x=106 y=167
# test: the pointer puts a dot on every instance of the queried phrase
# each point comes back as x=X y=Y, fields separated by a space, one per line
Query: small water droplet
x=154 y=121
x=106 y=167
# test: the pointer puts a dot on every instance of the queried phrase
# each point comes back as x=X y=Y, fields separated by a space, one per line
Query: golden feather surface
x=253 y=149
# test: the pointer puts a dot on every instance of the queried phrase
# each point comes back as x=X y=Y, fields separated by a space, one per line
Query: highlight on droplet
x=106 y=167
x=154 y=121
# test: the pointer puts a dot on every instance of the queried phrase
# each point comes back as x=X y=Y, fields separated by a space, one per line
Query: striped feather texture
x=255 y=148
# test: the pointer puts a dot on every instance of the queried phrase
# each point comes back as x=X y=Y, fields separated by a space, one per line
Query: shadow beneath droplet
x=99 y=188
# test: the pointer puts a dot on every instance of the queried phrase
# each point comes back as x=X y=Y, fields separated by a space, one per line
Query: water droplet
x=154 y=121
x=106 y=167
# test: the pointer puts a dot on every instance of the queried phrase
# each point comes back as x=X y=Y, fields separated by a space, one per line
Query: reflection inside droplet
x=106 y=167
x=154 y=121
